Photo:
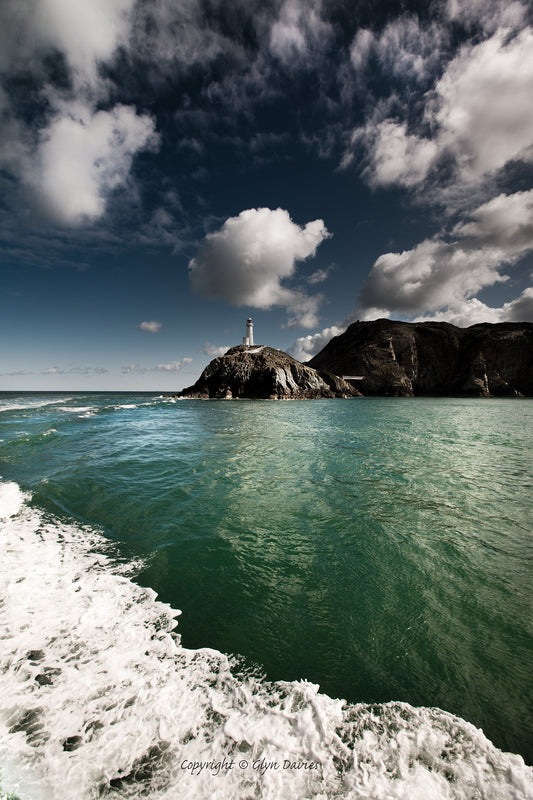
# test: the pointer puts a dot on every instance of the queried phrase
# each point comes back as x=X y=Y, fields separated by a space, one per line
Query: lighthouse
x=248 y=340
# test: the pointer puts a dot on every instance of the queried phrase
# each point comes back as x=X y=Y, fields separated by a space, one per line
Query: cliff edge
x=433 y=358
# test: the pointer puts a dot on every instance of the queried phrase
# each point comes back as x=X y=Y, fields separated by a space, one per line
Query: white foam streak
x=78 y=409
x=24 y=404
x=11 y=499
x=98 y=698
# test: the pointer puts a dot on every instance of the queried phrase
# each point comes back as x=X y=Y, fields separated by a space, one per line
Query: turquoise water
x=377 y=547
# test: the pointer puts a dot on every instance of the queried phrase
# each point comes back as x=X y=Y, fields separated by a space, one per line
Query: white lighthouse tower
x=248 y=340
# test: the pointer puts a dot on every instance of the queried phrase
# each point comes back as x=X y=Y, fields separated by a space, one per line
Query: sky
x=168 y=169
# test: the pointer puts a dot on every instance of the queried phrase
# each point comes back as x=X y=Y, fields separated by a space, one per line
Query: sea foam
x=99 y=698
x=29 y=403
x=11 y=499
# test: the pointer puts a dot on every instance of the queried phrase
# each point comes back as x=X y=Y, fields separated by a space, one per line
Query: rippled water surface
x=378 y=547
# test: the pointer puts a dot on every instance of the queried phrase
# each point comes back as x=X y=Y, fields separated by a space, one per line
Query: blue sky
x=168 y=169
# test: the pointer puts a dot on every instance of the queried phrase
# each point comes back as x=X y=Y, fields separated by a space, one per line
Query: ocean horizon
x=237 y=599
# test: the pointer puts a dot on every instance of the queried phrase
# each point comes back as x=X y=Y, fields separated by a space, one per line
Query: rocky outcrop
x=263 y=372
x=433 y=358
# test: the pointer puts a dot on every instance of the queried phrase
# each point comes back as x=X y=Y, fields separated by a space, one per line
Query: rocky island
x=433 y=358
x=381 y=357
x=259 y=371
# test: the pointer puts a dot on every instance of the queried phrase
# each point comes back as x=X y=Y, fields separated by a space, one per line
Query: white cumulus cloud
x=73 y=157
x=505 y=222
x=246 y=260
x=84 y=156
x=470 y=312
x=441 y=276
x=87 y=34
x=306 y=347
x=483 y=104
x=432 y=275
x=479 y=115
x=398 y=157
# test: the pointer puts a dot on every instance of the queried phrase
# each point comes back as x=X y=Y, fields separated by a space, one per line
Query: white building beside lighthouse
x=248 y=340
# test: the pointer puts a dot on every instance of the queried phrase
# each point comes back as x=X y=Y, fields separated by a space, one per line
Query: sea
x=265 y=599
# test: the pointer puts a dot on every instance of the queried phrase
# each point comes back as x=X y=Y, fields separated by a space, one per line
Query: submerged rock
x=433 y=358
x=263 y=372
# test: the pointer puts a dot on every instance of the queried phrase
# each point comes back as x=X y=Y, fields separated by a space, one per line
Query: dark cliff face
x=433 y=358
x=262 y=372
